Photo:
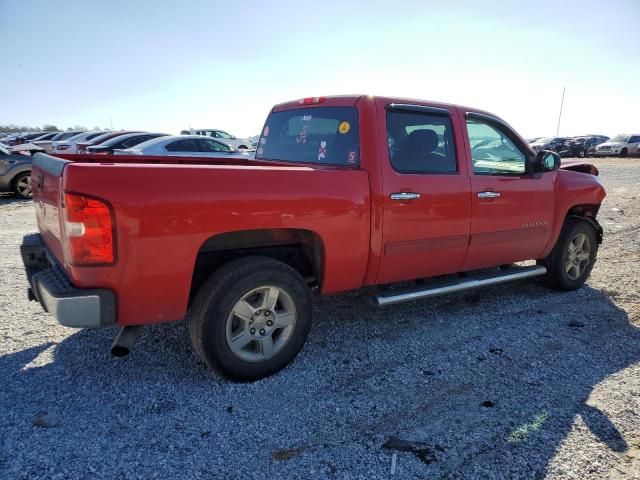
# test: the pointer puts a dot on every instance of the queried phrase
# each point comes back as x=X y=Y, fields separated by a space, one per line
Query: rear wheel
x=251 y=318
x=571 y=260
x=22 y=185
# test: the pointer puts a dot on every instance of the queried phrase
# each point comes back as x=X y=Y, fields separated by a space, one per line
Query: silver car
x=185 y=146
x=621 y=145
x=15 y=172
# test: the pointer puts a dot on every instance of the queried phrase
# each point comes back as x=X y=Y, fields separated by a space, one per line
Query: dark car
x=100 y=139
x=582 y=146
x=122 y=141
x=548 y=143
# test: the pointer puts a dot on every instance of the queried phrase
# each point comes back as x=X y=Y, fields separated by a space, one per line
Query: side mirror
x=547 y=161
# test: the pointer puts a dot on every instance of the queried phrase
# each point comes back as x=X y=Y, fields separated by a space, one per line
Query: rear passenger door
x=426 y=203
x=634 y=145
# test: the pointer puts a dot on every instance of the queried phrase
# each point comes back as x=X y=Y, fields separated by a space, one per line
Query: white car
x=621 y=145
x=235 y=142
x=185 y=146
x=69 y=145
x=48 y=144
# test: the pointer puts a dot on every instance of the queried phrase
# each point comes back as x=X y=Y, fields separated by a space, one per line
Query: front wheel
x=22 y=185
x=571 y=260
x=251 y=318
x=623 y=152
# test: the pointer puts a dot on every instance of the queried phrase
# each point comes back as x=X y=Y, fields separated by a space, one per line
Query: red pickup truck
x=344 y=192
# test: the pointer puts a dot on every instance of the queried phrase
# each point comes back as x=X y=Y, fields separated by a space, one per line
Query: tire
x=227 y=310
x=623 y=152
x=566 y=270
x=22 y=185
x=582 y=153
x=243 y=147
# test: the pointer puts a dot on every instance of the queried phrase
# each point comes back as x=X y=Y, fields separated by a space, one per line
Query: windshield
x=323 y=135
x=620 y=138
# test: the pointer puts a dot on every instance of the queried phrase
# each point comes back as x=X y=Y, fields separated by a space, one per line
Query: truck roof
x=352 y=100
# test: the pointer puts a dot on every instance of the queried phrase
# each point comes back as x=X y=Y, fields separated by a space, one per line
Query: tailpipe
x=125 y=341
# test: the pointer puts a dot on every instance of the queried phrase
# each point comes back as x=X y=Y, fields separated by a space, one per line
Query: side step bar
x=459 y=284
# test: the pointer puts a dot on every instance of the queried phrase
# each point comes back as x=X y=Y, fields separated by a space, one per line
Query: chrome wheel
x=578 y=256
x=23 y=186
x=261 y=323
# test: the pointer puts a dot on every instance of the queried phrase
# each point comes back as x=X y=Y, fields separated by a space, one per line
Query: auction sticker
x=344 y=127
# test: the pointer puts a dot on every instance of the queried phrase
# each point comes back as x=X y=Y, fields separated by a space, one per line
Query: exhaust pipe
x=125 y=340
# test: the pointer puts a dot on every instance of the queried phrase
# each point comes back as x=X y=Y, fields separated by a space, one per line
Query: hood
x=579 y=166
x=611 y=144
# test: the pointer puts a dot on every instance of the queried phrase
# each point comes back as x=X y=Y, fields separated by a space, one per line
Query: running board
x=459 y=284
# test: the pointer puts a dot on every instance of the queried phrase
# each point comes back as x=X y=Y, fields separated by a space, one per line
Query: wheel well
x=587 y=213
x=298 y=248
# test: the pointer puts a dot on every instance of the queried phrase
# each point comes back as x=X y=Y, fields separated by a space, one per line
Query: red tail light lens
x=89 y=230
x=311 y=100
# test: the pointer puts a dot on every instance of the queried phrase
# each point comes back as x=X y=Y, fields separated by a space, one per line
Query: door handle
x=405 y=196
x=488 y=194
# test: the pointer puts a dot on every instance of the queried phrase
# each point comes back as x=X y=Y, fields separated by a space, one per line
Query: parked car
x=581 y=146
x=548 y=143
x=221 y=135
x=45 y=136
x=621 y=145
x=183 y=145
x=344 y=192
x=48 y=144
x=15 y=172
x=69 y=146
x=81 y=147
x=128 y=140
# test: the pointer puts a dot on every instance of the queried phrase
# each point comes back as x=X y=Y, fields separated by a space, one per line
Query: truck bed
x=166 y=208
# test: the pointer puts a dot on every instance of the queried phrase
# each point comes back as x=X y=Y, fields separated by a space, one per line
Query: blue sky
x=165 y=65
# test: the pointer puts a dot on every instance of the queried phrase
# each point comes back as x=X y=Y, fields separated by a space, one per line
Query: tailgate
x=46 y=178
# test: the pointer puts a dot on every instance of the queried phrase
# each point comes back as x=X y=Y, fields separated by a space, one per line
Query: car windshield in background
x=620 y=138
x=546 y=140
x=323 y=135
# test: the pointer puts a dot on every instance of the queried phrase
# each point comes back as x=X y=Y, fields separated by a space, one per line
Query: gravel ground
x=515 y=381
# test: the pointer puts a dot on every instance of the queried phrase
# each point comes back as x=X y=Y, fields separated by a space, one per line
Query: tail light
x=311 y=100
x=89 y=228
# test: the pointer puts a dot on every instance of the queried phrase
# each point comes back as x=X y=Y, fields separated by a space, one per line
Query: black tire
x=624 y=152
x=557 y=277
x=17 y=185
x=217 y=297
x=582 y=153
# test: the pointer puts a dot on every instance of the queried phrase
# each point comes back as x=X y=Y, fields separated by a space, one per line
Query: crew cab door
x=426 y=204
x=511 y=209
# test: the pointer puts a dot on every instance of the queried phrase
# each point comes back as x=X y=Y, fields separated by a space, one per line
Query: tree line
x=45 y=128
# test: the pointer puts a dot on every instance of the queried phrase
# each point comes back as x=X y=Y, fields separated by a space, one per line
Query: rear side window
x=323 y=135
x=135 y=141
x=186 y=145
x=420 y=143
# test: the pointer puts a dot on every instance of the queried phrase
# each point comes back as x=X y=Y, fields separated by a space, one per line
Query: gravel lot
x=512 y=382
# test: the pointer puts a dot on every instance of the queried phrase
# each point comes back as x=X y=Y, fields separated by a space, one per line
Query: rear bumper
x=49 y=285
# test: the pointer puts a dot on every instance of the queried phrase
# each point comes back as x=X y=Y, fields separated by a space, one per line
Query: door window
x=420 y=143
x=492 y=152
x=186 y=145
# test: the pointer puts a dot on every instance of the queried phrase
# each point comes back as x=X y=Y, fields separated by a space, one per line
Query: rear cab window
x=321 y=135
